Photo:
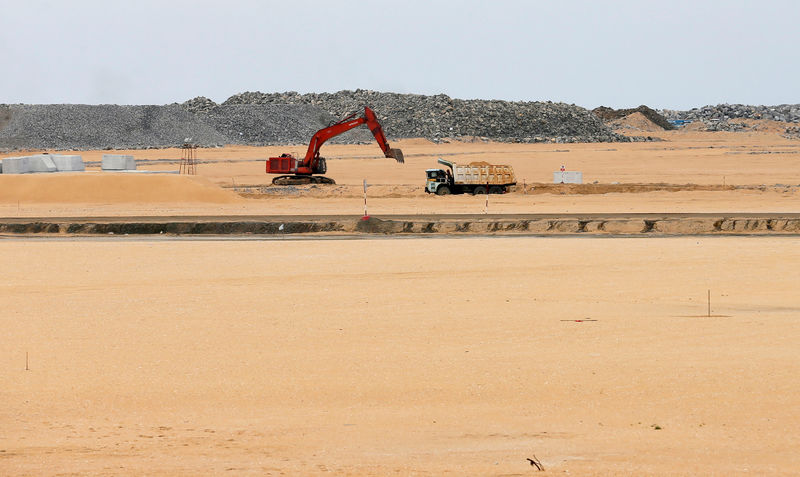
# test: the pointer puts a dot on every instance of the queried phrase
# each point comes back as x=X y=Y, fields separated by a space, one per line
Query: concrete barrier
x=29 y=164
x=118 y=162
x=68 y=163
x=41 y=163
x=15 y=165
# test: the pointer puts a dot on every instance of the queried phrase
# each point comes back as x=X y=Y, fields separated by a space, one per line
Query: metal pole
x=365 y=198
x=486 y=210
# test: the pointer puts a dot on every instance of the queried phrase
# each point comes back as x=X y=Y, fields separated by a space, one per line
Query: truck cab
x=436 y=179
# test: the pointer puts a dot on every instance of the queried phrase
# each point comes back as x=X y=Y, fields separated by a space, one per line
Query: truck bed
x=483 y=173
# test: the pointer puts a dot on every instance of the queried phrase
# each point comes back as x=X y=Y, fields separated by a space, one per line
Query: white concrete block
x=68 y=163
x=118 y=162
x=15 y=165
x=41 y=163
x=567 y=177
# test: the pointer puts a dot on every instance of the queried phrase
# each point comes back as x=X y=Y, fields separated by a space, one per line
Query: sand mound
x=109 y=188
x=608 y=115
x=636 y=121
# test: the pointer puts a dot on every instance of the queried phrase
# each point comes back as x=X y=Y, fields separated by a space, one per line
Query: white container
x=567 y=177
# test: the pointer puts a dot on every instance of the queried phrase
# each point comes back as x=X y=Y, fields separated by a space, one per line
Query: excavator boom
x=312 y=163
x=377 y=131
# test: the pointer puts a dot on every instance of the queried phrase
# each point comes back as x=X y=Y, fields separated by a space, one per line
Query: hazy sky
x=664 y=53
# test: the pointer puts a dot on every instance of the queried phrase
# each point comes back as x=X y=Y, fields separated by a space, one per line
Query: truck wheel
x=443 y=190
x=479 y=190
x=496 y=190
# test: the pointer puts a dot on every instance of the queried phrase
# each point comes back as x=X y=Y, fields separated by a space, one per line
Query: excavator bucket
x=397 y=155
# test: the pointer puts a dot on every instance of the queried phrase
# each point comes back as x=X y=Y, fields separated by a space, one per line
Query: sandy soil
x=419 y=356
x=408 y=356
x=119 y=188
x=684 y=157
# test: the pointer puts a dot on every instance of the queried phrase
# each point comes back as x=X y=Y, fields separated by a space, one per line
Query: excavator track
x=302 y=180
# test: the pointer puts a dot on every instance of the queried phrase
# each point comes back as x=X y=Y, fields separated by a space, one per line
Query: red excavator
x=301 y=172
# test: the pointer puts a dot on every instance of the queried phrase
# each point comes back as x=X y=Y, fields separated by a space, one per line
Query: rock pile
x=792 y=132
x=80 y=126
x=200 y=104
x=266 y=124
x=5 y=115
x=717 y=118
x=439 y=116
x=255 y=118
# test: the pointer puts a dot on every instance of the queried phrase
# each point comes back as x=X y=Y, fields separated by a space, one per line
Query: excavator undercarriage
x=302 y=180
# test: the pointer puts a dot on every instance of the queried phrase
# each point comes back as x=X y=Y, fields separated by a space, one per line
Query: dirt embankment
x=636 y=122
x=709 y=224
x=534 y=188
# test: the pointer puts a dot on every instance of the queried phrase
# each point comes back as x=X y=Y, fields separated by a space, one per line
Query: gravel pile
x=200 y=104
x=717 y=118
x=292 y=118
x=268 y=124
x=80 y=126
x=792 y=132
x=437 y=117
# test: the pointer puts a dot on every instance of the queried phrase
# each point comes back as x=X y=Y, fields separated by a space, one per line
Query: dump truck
x=472 y=178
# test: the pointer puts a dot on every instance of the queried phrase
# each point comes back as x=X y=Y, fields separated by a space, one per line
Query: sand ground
x=719 y=160
x=407 y=356
x=416 y=356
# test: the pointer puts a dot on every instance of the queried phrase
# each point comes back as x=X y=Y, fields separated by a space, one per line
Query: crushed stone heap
x=81 y=126
x=439 y=116
x=255 y=118
x=717 y=118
